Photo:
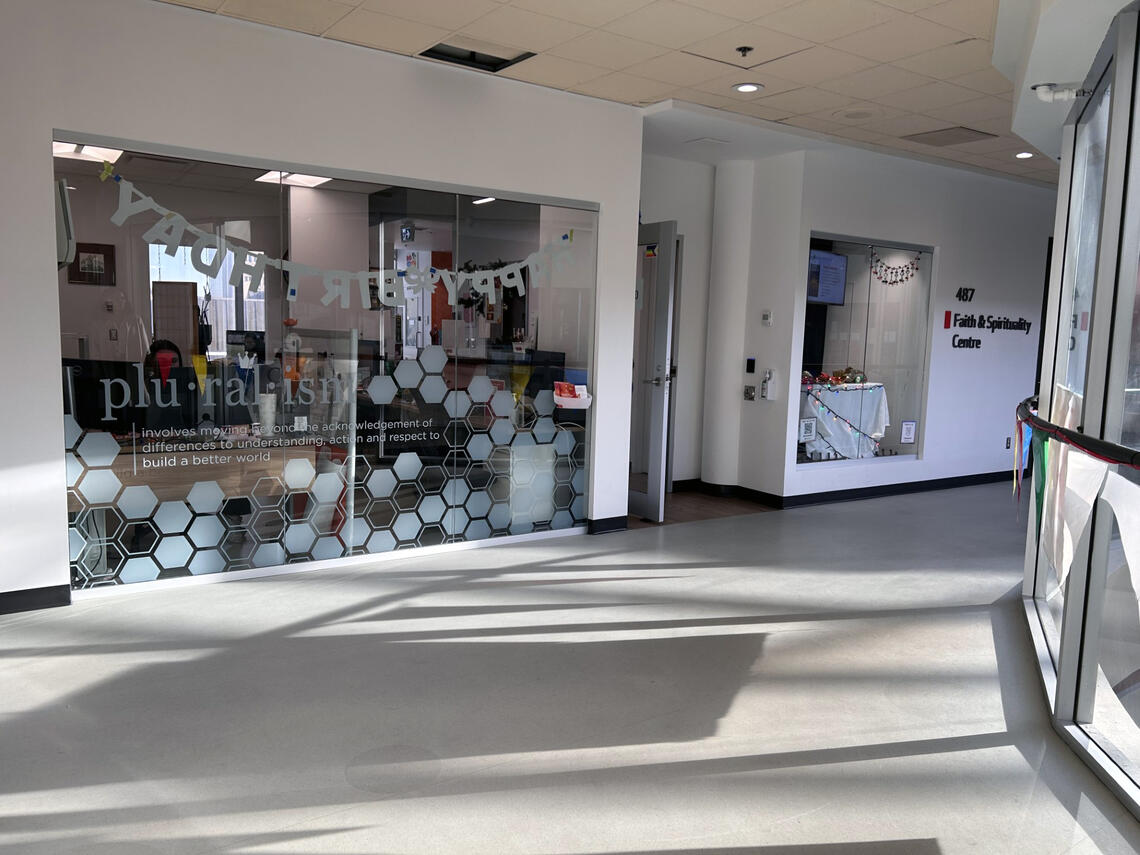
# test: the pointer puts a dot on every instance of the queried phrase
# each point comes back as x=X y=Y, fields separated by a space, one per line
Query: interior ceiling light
x=748 y=87
x=1024 y=155
x=484 y=200
x=85 y=152
x=294 y=178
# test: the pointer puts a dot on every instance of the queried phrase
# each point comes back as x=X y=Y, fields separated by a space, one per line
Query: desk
x=849 y=417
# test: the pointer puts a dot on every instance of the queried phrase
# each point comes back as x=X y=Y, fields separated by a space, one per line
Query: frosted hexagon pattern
x=502 y=403
x=502 y=431
x=381 y=483
x=407 y=466
x=299 y=537
x=298 y=473
x=433 y=359
x=564 y=442
x=268 y=555
x=74 y=469
x=455 y=491
x=544 y=431
x=544 y=402
x=71 y=431
x=382 y=389
x=381 y=541
x=480 y=389
x=138 y=570
x=172 y=517
x=98 y=449
x=75 y=544
x=100 y=486
x=479 y=447
x=408 y=374
x=206 y=531
x=327 y=487
x=173 y=551
x=205 y=497
x=457 y=403
x=207 y=561
x=406 y=526
x=433 y=389
x=432 y=508
x=455 y=521
x=478 y=503
x=137 y=503
x=327 y=547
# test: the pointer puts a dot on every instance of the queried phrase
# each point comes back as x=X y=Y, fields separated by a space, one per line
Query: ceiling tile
x=997 y=126
x=896 y=39
x=805 y=100
x=723 y=86
x=522 y=29
x=307 y=16
x=998 y=143
x=590 y=13
x=979 y=109
x=952 y=60
x=607 y=50
x=975 y=17
x=547 y=70
x=371 y=29
x=208 y=5
x=759 y=111
x=445 y=14
x=813 y=65
x=826 y=20
x=618 y=86
x=911 y=5
x=766 y=45
x=875 y=82
x=988 y=80
x=859 y=113
x=902 y=126
x=672 y=24
x=858 y=134
x=698 y=96
x=678 y=68
x=812 y=123
x=742 y=10
x=921 y=99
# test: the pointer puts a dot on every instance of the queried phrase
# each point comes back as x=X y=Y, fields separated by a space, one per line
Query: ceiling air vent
x=472 y=53
x=950 y=136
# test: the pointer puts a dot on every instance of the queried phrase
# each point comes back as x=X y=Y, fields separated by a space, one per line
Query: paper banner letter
x=447 y=277
x=197 y=254
x=242 y=267
x=131 y=202
x=513 y=278
x=168 y=231
x=337 y=284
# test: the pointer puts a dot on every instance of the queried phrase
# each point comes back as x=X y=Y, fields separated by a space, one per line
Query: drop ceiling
x=869 y=72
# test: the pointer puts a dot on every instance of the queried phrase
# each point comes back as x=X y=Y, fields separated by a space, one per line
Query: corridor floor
x=852 y=678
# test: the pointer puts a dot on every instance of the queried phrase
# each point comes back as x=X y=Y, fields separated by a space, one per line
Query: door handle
x=656 y=381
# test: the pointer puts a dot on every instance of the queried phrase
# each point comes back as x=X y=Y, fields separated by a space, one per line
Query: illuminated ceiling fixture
x=748 y=87
x=294 y=178
x=1024 y=155
x=78 y=151
x=484 y=200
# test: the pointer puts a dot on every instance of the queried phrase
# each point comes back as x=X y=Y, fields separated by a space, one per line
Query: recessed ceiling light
x=1024 y=155
x=484 y=200
x=748 y=87
x=294 y=178
x=85 y=152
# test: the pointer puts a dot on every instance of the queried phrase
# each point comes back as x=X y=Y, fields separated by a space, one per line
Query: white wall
x=166 y=78
x=682 y=190
x=988 y=233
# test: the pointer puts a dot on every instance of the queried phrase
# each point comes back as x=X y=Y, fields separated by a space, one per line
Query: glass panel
x=263 y=369
x=1080 y=259
x=865 y=331
x=1116 y=709
x=644 y=327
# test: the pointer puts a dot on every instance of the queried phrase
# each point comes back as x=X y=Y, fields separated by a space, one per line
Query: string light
x=836 y=417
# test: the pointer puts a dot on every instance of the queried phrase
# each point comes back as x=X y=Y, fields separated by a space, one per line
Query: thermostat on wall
x=766 y=317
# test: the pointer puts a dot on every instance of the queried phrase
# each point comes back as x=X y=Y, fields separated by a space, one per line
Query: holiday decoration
x=893 y=274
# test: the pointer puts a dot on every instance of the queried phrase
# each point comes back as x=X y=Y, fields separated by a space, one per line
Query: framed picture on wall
x=94 y=264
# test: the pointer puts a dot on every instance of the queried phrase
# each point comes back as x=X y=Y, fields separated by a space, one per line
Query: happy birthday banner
x=394 y=286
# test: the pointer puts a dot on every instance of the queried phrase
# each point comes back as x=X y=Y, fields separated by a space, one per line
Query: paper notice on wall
x=1124 y=498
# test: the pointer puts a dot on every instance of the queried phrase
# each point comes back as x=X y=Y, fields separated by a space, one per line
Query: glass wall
x=865 y=336
x=262 y=368
x=1083 y=567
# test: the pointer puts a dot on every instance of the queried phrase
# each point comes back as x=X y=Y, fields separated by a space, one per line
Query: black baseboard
x=782 y=502
x=605 y=526
x=34 y=598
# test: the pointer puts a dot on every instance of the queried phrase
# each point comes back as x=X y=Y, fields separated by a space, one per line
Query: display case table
x=850 y=418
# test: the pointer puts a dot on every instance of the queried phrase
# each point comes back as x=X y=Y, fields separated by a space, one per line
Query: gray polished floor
x=850 y=678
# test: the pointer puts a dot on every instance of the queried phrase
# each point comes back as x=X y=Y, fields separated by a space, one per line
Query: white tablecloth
x=849 y=417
